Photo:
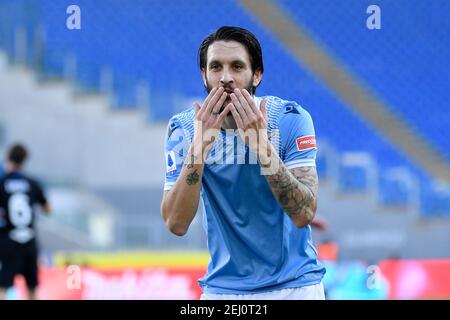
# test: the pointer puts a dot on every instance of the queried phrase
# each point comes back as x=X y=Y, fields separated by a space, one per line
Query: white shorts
x=314 y=292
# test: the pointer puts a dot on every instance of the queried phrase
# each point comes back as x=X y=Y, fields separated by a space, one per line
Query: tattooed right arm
x=180 y=203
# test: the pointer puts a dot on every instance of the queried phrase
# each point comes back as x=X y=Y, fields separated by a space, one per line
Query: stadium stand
x=145 y=56
x=153 y=45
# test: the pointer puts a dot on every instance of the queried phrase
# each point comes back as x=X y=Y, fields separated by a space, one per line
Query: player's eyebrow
x=233 y=61
x=214 y=62
x=242 y=62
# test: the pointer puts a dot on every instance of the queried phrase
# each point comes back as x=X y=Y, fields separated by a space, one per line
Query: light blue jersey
x=254 y=245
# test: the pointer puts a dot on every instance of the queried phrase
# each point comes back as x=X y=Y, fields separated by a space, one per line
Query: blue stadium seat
x=397 y=188
x=402 y=62
x=356 y=169
x=435 y=200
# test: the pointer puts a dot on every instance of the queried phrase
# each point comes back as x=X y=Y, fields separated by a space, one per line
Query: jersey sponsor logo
x=17 y=185
x=171 y=164
x=306 y=143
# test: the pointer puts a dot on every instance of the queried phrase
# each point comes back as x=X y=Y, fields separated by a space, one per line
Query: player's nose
x=226 y=78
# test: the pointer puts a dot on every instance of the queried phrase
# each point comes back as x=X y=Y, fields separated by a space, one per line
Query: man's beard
x=209 y=87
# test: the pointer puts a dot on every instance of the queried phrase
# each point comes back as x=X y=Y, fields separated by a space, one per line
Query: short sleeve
x=175 y=150
x=297 y=137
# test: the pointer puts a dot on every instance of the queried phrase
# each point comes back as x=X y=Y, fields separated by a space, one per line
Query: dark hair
x=17 y=154
x=243 y=36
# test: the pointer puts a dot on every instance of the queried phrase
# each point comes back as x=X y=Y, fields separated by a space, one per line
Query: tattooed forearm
x=190 y=160
x=296 y=191
x=193 y=172
x=192 y=178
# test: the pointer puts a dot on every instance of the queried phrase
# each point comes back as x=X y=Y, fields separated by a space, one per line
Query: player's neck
x=229 y=123
x=12 y=167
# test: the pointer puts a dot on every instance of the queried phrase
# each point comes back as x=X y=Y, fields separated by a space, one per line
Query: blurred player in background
x=258 y=226
x=18 y=246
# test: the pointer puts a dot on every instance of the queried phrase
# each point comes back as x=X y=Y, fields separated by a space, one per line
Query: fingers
x=236 y=116
x=240 y=109
x=253 y=115
x=263 y=109
x=197 y=108
x=219 y=104
x=243 y=108
x=251 y=102
x=209 y=97
x=215 y=98
x=244 y=102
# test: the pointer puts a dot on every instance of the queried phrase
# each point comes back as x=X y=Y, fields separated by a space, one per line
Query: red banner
x=124 y=284
x=417 y=279
x=406 y=279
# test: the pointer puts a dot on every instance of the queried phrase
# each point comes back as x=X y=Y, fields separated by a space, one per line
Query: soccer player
x=252 y=160
x=18 y=248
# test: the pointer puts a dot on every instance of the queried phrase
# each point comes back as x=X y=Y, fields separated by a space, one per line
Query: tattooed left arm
x=296 y=191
